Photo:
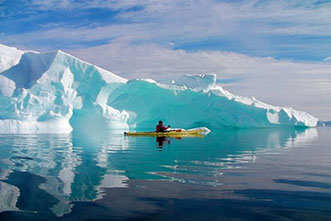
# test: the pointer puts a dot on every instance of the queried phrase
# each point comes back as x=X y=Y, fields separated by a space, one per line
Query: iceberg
x=55 y=93
x=202 y=105
x=200 y=82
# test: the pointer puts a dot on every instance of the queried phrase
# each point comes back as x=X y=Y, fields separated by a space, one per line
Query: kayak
x=195 y=132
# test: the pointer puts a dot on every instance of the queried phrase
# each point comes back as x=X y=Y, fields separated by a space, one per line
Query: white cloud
x=53 y=4
x=206 y=17
x=304 y=86
x=250 y=24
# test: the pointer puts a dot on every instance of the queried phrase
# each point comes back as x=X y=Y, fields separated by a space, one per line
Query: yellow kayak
x=196 y=132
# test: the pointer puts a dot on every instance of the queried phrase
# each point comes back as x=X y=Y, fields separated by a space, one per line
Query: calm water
x=261 y=174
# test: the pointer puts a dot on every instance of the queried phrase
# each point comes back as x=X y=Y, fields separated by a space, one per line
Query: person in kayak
x=161 y=128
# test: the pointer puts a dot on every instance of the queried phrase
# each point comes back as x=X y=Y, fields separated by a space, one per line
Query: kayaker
x=161 y=128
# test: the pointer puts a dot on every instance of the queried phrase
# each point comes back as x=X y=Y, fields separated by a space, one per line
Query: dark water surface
x=260 y=174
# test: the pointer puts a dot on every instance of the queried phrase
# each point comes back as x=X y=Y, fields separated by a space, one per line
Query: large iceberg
x=56 y=92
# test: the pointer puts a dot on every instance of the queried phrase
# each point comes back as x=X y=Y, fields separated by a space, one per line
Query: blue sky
x=297 y=30
x=278 y=51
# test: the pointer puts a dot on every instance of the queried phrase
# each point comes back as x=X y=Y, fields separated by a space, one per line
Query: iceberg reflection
x=77 y=167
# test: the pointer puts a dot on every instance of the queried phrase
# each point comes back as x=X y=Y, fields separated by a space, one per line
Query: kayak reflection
x=161 y=141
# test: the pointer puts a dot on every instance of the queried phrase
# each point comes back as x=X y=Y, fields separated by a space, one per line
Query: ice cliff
x=56 y=92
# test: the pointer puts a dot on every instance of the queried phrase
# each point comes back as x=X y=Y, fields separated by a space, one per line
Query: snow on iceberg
x=56 y=92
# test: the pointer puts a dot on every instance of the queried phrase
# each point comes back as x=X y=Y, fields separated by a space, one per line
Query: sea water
x=243 y=174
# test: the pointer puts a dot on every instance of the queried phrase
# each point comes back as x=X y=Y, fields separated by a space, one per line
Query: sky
x=277 y=51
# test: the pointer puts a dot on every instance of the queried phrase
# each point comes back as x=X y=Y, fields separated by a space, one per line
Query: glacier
x=56 y=92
